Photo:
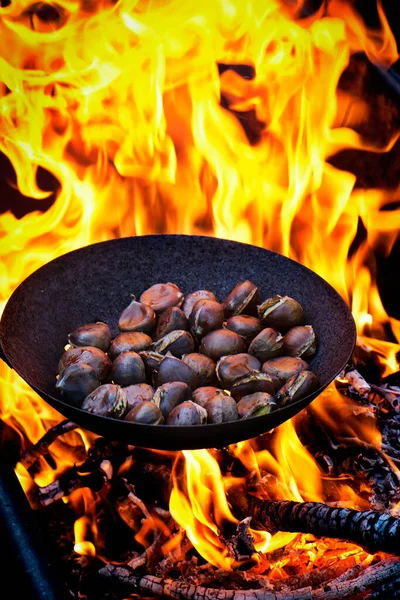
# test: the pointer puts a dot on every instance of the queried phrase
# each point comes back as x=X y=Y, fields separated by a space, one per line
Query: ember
x=242 y=120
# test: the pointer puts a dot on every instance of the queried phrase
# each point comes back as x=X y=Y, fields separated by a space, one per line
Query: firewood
x=41 y=447
x=373 y=530
x=382 y=573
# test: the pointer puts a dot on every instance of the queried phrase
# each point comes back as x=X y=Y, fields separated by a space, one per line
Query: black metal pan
x=96 y=283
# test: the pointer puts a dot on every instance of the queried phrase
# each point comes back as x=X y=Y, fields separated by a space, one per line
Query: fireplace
x=278 y=129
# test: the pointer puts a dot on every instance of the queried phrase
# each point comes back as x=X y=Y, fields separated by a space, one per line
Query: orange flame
x=122 y=103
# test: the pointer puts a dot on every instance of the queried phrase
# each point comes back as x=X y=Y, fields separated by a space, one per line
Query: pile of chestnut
x=191 y=360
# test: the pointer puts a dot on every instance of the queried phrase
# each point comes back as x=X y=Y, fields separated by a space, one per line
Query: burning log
x=386 y=572
x=30 y=455
x=371 y=529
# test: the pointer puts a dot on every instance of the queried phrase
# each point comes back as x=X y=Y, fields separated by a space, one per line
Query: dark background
x=388 y=267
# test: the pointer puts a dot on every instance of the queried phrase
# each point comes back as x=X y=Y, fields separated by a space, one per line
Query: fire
x=122 y=103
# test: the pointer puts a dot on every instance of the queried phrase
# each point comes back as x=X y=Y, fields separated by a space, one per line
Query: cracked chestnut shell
x=137 y=317
x=244 y=325
x=127 y=369
x=88 y=355
x=203 y=366
x=250 y=384
x=206 y=316
x=221 y=342
x=255 y=405
x=151 y=361
x=231 y=368
x=76 y=382
x=203 y=394
x=108 y=400
x=137 y=393
x=281 y=312
x=221 y=409
x=284 y=367
x=130 y=341
x=162 y=296
x=186 y=414
x=194 y=297
x=170 y=320
x=146 y=413
x=297 y=387
x=174 y=369
x=178 y=343
x=300 y=341
x=243 y=299
x=267 y=344
x=169 y=395
x=93 y=334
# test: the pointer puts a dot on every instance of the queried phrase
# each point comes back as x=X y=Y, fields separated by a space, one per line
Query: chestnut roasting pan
x=95 y=283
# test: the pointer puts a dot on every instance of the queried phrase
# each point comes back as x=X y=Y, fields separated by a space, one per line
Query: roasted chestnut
x=206 y=316
x=76 y=382
x=173 y=369
x=284 y=367
x=300 y=341
x=146 y=413
x=151 y=361
x=170 y=320
x=281 y=312
x=242 y=299
x=194 y=297
x=162 y=296
x=137 y=317
x=221 y=342
x=87 y=355
x=108 y=400
x=127 y=369
x=186 y=414
x=131 y=341
x=177 y=343
x=267 y=344
x=169 y=395
x=250 y=384
x=297 y=387
x=203 y=394
x=203 y=366
x=245 y=326
x=93 y=334
x=221 y=409
x=137 y=393
x=255 y=405
x=231 y=368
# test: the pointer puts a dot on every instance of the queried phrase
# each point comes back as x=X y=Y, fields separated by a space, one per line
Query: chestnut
x=281 y=313
x=170 y=320
x=203 y=366
x=146 y=413
x=284 y=367
x=88 y=355
x=151 y=360
x=221 y=409
x=131 y=341
x=255 y=405
x=267 y=344
x=203 y=394
x=231 y=368
x=137 y=317
x=93 y=334
x=186 y=414
x=250 y=384
x=297 y=387
x=76 y=382
x=221 y=342
x=173 y=369
x=162 y=296
x=108 y=400
x=206 y=316
x=194 y=297
x=244 y=325
x=177 y=343
x=169 y=395
x=137 y=393
x=127 y=369
x=300 y=341
x=242 y=299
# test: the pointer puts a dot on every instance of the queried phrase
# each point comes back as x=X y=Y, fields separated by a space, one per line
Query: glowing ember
x=122 y=103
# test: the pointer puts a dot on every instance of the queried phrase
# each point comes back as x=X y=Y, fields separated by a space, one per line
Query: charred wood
x=41 y=447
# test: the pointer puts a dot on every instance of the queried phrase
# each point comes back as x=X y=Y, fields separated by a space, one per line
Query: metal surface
x=96 y=283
